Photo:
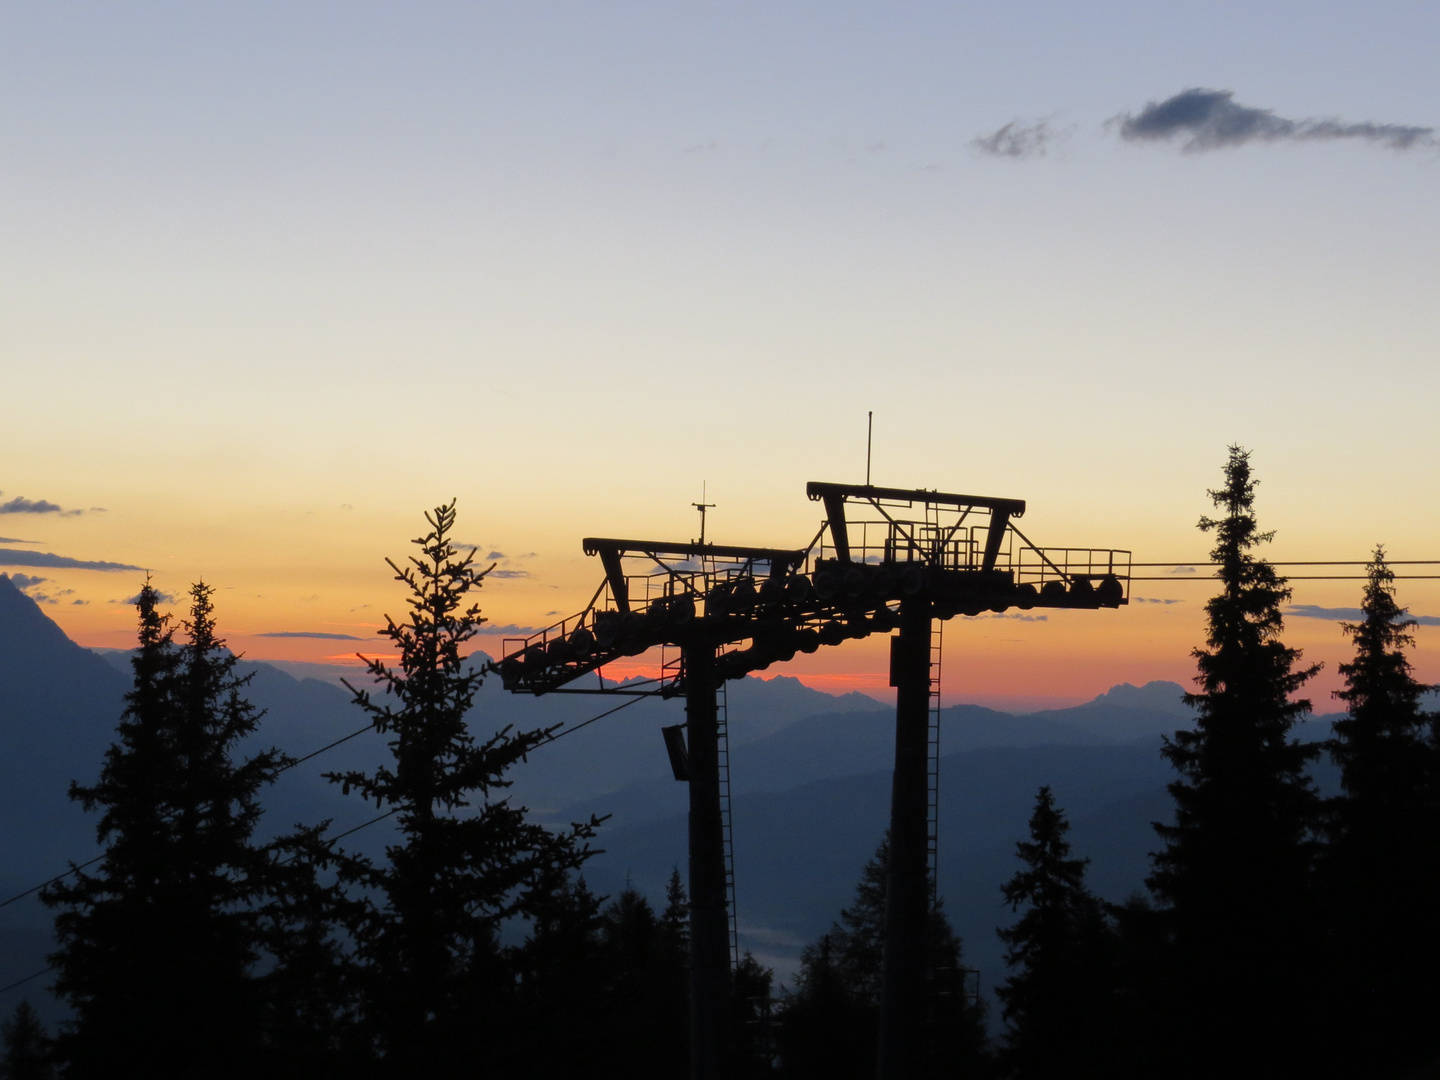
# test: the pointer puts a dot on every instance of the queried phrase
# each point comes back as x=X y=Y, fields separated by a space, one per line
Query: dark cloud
x=11 y=557
x=1153 y=600
x=509 y=630
x=16 y=540
x=316 y=634
x=160 y=598
x=22 y=505
x=1182 y=570
x=510 y=573
x=1018 y=140
x=1212 y=120
x=1347 y=614
x=24 y=581
x=1017 y=616
x=1314 y=611
x=495 y=555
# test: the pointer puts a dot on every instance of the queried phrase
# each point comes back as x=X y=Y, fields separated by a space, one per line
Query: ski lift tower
x=884 y=559
x=691 y=600
x=942 y=555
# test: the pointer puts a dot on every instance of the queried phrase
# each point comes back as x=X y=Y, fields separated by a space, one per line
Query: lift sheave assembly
x=761 y=606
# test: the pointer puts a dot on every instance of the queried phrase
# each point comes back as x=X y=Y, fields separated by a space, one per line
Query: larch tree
x=436 y=989
x=1382 y=865
x=1235 y=872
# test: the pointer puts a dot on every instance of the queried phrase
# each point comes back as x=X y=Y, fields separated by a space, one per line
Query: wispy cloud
x=16 y=540
x=502 y=573
x=314 y=634
x=1019 y=140
x=12 y=557
x=1016 y=615
x=1347 y=614
x=30 y=585
x=509 y=630
x=1154 y=600
x=1212 y=120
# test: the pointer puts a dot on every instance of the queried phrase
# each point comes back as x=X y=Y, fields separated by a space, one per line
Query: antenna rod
x=869 y=431
x=702 y=506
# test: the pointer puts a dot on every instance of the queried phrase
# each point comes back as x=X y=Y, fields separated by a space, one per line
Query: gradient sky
x=278 y=276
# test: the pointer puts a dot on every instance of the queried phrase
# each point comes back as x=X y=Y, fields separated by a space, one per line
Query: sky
x=280 y=276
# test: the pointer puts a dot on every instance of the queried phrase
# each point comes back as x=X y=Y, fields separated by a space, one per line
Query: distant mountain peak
x=1155 y=696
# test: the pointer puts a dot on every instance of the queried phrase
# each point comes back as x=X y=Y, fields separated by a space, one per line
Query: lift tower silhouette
x=672 y=599
x=946 y=555
x=884 y=559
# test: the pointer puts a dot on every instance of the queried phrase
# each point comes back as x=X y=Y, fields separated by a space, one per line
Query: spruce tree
x=1236 y=867
x=157 y=946
x=436 y=989
x=305 y=979
x=630 y=939
x=670 y=1047
x=827 y=1030
x=752 y=1024
x=829 y=1022
x=26 y=1048
x=1058 y=1001
x=602 y=987
x=1382 y=866
x=564 y=1022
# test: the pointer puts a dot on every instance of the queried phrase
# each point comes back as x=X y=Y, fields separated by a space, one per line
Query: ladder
x=940 y=979
x=932 y=768
x=721 y=718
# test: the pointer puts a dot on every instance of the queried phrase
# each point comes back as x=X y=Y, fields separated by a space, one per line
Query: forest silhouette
x=1281 y=933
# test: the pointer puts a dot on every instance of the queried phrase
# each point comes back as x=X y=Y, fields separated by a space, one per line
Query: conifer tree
x=1382 y=865
x=630 y=937
x=827 y=1029
x=1057 y=1002
x=565 y=1010
x=436 y=990
x=670 y=1048
x=602 y=987
x=829 y=1023
x=157 y=945
x=27 y=1049
x=753 y=1031
x=1235 y=870
x=305 y=978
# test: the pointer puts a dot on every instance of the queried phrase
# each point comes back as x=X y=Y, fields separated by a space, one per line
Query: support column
x=709 y=920
x=907 y=896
